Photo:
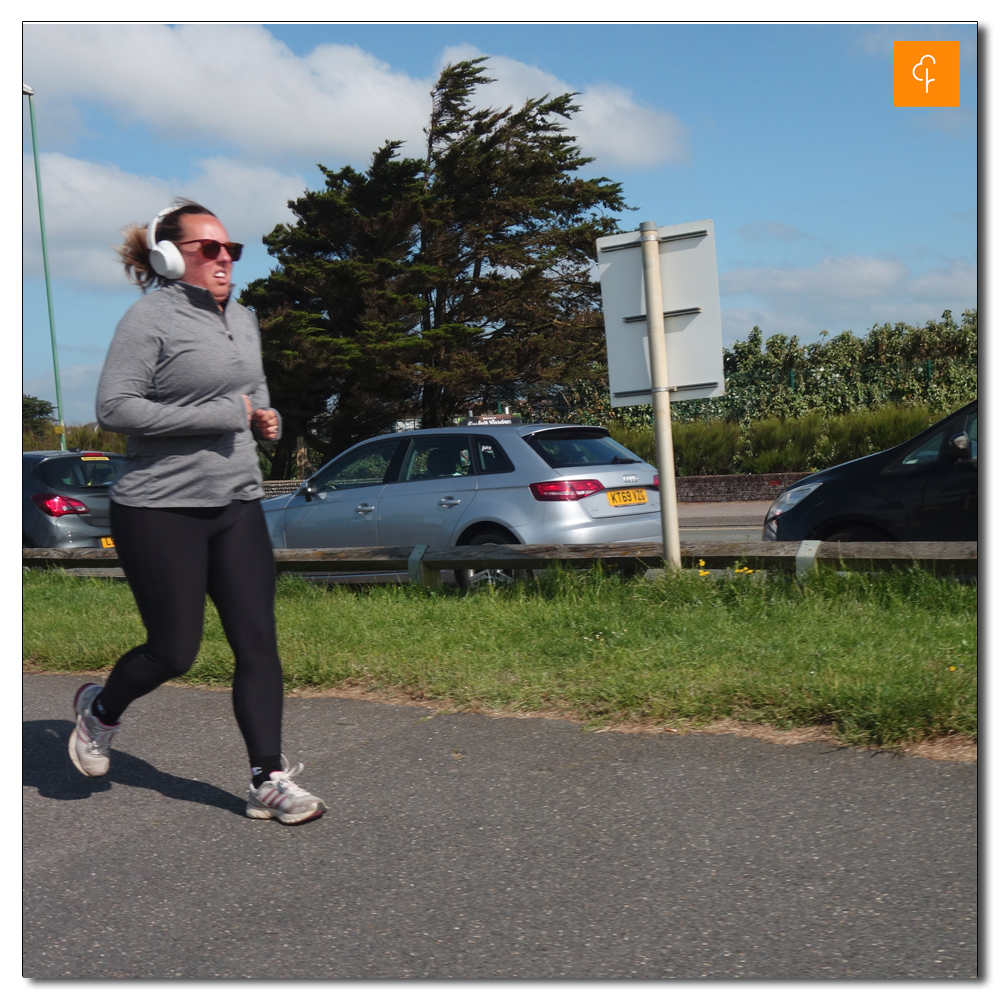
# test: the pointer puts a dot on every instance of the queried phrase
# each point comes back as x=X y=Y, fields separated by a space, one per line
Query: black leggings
x=172 y=557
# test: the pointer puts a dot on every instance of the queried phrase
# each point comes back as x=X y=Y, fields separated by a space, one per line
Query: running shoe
x=90 y=740
x=281 y=799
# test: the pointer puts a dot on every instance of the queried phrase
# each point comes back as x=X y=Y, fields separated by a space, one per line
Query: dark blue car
x=925 y=489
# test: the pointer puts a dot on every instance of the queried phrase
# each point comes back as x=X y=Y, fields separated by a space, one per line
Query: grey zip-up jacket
x=174 y=381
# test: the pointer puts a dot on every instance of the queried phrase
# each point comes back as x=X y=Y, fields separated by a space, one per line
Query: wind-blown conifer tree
x=425 y=287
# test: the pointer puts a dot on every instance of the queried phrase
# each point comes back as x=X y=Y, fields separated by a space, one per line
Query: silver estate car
x=65 y=498
x=474 y=485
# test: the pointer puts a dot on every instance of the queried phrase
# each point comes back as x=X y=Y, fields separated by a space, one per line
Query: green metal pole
x=25 y=89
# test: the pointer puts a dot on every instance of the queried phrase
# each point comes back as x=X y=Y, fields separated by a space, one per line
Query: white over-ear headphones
x=164 y=257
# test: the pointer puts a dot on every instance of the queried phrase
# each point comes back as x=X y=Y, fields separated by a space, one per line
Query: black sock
x=100 y=713
x=261 y=768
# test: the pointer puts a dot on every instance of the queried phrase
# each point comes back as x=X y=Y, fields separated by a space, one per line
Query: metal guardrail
x=423 y=564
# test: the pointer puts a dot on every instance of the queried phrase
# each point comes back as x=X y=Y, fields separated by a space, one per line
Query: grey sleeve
x=127 y=378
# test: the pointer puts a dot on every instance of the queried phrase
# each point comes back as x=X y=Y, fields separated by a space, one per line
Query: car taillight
x=91 y=454
x=55 y=505
x=656 y=481
x=566 y=489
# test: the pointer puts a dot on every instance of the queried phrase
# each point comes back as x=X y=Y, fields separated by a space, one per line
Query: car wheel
x=858 y=533
x=473 y=579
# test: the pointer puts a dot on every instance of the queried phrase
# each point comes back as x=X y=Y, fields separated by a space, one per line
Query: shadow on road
x=47 y=767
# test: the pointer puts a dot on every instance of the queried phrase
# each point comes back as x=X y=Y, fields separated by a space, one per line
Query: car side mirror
x=308 y=491
x=960 y=447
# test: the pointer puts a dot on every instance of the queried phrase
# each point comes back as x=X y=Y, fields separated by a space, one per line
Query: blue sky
x=833 y=210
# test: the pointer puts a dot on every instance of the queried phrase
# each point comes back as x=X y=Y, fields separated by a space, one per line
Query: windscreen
x=574 y=447
x=79 y=472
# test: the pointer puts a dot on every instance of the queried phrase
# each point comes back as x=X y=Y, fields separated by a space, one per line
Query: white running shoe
x=281 y=799
x=90 y=739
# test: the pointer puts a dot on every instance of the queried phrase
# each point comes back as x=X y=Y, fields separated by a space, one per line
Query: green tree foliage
x=85 y=437
x=425 y=287
x=935 y=364
x=36 y=414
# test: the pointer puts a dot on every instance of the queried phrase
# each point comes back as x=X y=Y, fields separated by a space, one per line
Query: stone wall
x=717 y=489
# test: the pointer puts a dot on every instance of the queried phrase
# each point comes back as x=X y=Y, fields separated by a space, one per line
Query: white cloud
x=957 y=277
x=236 y=84
x=842 y=293
x=623 y=134
x=832 y=280
x=86 y=205
x=880 y=42
x=610 y=126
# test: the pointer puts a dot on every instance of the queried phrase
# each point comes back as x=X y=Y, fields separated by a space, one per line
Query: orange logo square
x=925 y=74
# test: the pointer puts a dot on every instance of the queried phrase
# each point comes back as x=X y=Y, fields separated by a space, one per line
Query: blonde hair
x=134 y=251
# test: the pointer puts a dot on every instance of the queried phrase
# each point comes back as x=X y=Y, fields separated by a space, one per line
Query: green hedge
x=804 y=444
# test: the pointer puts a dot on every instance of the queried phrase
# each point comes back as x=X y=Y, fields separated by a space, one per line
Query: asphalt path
x=465 y=846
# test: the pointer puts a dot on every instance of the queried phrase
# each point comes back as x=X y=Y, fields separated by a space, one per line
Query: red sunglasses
x=211 y=248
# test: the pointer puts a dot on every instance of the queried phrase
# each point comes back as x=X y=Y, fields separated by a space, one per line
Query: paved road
x=465 y=846
x=734 y=521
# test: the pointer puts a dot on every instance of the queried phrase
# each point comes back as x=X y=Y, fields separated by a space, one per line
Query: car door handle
x=448 y=502
x=364 y=508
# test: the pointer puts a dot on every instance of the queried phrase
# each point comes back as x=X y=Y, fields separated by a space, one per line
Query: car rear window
x=79 y=472
x=573 y=447
x=491 y=456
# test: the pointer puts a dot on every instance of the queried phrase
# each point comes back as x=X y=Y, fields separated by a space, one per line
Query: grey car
x=474 y=485
x=65 y=498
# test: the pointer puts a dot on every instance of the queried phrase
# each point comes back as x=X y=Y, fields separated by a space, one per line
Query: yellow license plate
x=626 y=498
x=107 y=543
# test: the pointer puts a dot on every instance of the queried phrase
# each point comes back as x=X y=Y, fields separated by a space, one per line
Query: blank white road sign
x=692 y=317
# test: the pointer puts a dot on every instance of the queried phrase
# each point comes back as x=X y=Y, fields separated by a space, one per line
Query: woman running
x=183 y=378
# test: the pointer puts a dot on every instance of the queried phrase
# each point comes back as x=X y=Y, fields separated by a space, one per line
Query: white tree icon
x=926 y=79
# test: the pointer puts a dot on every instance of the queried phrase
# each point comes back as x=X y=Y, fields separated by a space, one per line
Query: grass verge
x=885 y=660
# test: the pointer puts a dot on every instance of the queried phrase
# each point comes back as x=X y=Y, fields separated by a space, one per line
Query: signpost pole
x=649 y=240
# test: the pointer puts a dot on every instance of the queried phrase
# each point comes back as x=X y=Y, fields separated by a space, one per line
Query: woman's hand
x=264 y=423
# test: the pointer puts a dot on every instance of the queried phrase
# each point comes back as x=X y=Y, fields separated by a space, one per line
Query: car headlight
x=789 y=498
